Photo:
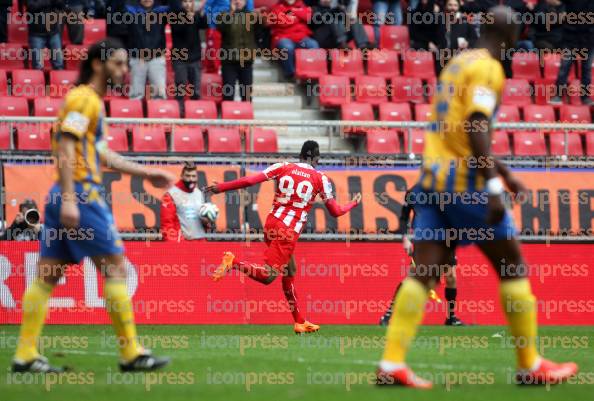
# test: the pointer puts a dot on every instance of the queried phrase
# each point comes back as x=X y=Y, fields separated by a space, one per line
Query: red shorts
x=281 y=241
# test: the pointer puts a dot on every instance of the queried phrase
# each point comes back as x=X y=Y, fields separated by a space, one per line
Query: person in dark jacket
x=454 y=33
x=113 y=20
x=424 y=26
x=44 y=32
x=186 y=52
x=76 y=10
x=333 y=26
x=578 y=39
x=4 y=12
x=546 y=35
x=238 y=43
x=146 y=45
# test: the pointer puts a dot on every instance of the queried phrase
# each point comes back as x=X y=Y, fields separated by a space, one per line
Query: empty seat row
x=130 y=108
x=18 y=31
x=521 y=143
x=187 y=139
x=313 y=63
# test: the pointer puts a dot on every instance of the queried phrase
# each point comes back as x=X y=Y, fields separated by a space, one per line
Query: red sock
x=259 y=273
x=291 y=295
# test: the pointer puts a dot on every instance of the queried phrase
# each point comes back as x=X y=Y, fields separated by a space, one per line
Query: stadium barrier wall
x=336 y=283
x=560 y=200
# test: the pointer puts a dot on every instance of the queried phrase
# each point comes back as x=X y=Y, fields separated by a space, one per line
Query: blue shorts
x=95 y=235
x=460 y=218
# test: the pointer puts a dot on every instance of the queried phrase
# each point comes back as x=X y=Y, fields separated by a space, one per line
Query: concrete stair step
x=273 y=89
x=277 y=102
x=266 y=76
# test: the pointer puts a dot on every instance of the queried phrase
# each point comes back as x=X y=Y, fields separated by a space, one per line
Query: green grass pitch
x=271 y=363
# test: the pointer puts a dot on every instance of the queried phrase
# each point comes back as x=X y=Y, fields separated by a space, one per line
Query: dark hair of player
x=309 y=151
x=188 y=166
x=101 y=50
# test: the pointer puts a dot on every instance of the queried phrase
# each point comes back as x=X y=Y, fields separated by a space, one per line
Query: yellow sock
x=520 y=307
x=34 y=311
x=408 y=313
x=119 y=307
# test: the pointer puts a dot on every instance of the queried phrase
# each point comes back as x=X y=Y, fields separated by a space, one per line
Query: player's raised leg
x=408 y=314
x=519 y=305
x=133 y=357
x=35 y=300
x=301 y=325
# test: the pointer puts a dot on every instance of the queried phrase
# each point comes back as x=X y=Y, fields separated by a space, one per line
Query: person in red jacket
x=288 y=21
x=180 y=209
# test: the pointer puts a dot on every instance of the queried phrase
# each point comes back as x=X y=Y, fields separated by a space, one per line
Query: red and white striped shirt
x=297 y=185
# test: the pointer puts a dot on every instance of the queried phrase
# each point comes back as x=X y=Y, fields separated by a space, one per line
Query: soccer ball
x=209 y=211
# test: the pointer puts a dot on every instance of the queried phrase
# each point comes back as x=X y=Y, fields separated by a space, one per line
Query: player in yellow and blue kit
x=78 y=222
x=459 y=201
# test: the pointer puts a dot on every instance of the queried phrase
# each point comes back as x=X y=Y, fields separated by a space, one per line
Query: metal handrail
x=302 y=123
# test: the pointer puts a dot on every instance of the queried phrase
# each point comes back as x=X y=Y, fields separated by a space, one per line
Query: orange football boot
x=305 y=327
x=548 y=372
x=402 y=377
x=225 y=266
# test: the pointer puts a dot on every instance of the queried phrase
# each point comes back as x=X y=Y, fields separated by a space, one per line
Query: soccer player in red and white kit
x=297 y=185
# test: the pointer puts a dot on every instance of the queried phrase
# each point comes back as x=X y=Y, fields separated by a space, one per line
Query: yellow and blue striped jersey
x=471 y=82
x=82 y=117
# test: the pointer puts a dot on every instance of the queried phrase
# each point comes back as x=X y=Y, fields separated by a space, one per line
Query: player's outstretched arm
x=337 y=210
x=242 y=182
x=158 y=178
x=66 y=159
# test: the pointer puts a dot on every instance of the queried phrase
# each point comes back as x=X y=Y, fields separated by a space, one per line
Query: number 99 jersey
x=297 y=185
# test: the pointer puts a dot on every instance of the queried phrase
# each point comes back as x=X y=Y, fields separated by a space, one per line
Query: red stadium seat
x=265 y=141
x=370 y=32
x=575 y=114
x=125 y=108
x=356 y=112
x=423 y=112
x=3 y=83
x=231 y=110
x=168 y=38
x=211 y=87
x=371 y=90
x=525 y=65
x=159 y=108
x=334 y=91
x=347 y=63
x=73 y=55
x=382 y=141
x=539 y=114
x=417 y=141
x=13 y=106
x=574 y=91
x=574 y=144
x=552 y=64
x=516 y=92
x=117 y=138
x=188 y=138
x=419 y=64
x=394 y=37
x=94 y=30
x=18 y=32
x=500 y=143
x=61 y=82
x=46 y=106
x=310 y=63
x=529 y=144
x=5 y=135
x=149 y=139
x=224 y=140
x=200 y=109
x=33 y=137
x=544 y=90
x=383 y=63
x=28 y=83
x=12 y=56
x=508 y=114
x=395 y=112
x=590 y=143
x=407 y=89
